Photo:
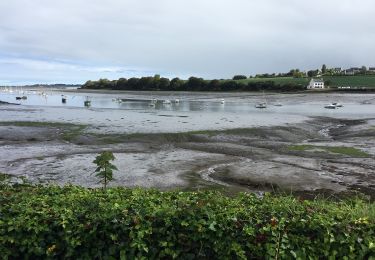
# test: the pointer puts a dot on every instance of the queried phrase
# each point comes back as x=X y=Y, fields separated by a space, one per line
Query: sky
x=72 y=41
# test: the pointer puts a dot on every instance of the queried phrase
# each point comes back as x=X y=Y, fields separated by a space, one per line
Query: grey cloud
x=210 y=38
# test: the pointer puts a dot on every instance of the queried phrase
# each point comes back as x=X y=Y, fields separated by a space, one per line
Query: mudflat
x=320 y=155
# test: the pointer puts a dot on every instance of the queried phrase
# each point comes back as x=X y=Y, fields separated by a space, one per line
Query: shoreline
x=256 y=93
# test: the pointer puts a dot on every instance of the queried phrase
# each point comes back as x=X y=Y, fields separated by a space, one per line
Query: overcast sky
x=71 y=41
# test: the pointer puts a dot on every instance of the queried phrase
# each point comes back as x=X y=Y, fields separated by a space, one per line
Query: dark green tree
x=176 y=84
x=324 y=69
x=105 y=168
x=312 y=73
x=121 y=83
x=239 y=77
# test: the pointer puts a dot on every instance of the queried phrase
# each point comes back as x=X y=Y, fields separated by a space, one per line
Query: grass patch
x=36 y=124
x=4 y=177
x=349 y=151
x=276 y=80
x=177 y=137
x=73 y=132
x=69 y=131
x=335 y=81
x=302 y=147
x=353 y=81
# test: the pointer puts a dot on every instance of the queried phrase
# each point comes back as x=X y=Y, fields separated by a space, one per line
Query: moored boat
x=330 y=106
x=337 y=104
x=261 y=105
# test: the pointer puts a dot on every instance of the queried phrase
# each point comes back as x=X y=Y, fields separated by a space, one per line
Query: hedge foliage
x=79 y=223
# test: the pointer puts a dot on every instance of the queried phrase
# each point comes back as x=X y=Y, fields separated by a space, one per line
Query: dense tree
x=132 y=84
x=239 y=77
x=312 y=73
x=192 y=84
x=176 y=84
x=195 y=83
x=121 y=83
x=145 y=83
x=214 y=85
x=163 y=84
x=324 y=69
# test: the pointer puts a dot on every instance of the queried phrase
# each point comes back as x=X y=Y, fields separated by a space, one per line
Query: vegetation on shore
x=69 y=132
x=74 y=222
x=349 y=151
x=238 y=83
x=192 y=84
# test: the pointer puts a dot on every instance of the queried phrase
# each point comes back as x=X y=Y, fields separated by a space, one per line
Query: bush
x=74 y=223
x=239 y=77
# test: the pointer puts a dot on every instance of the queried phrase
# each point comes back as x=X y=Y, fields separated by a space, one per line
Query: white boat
x=261 y=105
x=337 y=104
x=222 y=101
x=87 y=102
x=177 y=101
x=330 y=106
x=167 y=102
x=333 y=105
x=278 y=105
x=117 y=100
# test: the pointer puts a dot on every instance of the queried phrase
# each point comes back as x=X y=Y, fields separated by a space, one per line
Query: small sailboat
x=87 y=102
x=337 y=104
x=222 y=101
x=278 y=104
x=167 y=102
x=333 y=105
x=262 y=104
x=153 y=102
x=330 y=106
x=63 y=99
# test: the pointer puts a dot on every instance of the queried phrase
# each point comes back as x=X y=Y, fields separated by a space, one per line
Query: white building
x=315 y=84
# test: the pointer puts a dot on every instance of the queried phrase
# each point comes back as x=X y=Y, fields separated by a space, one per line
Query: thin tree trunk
x=105 y=177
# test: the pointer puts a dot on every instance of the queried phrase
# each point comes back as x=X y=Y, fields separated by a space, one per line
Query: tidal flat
x=199 y=143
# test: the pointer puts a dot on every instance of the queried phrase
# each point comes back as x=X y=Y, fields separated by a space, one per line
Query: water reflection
x=193 y=103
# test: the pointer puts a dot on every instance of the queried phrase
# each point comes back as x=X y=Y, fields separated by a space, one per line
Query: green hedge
x=78 y=223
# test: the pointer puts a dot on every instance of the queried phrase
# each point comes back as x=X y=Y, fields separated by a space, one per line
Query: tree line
x=192 y=84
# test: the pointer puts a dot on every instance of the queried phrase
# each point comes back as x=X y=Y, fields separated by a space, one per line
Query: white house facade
x=316 y=84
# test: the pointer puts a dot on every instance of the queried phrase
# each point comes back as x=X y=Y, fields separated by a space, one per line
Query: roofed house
x=352 y=71
x=337 y=70
x=316 y=84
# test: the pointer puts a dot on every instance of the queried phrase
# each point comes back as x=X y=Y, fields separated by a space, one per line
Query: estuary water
x=152 y=112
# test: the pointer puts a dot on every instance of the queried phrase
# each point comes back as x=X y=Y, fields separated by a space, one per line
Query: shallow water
x=195 y=111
